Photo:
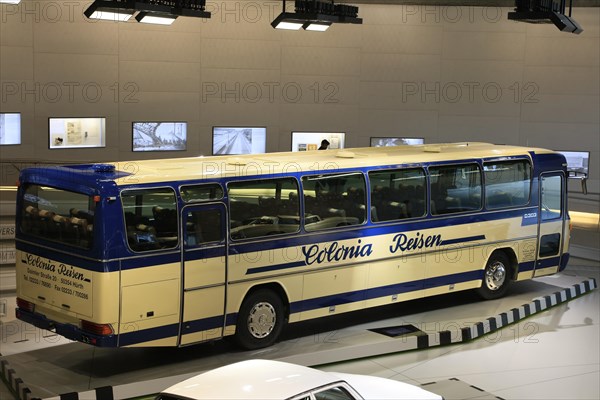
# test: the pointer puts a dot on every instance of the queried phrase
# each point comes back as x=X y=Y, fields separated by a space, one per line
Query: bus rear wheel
x=260 y=320
x=496 y=276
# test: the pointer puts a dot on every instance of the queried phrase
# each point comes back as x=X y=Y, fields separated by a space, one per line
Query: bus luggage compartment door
x=204 y=269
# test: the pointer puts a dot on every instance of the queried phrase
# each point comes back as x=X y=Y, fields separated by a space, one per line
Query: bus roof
x=215 y=167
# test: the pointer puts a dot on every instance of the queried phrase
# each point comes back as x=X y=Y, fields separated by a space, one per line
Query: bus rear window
x=58 y=215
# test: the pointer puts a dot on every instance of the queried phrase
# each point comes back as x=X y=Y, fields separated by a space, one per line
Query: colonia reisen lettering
x=335 y=252
x=403 y=243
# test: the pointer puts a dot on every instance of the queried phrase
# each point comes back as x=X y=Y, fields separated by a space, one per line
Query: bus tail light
x=96 y=329
x=25 y=305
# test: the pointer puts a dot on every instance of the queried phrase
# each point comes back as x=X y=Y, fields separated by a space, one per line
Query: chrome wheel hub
x=261 y=320
x=495 y=276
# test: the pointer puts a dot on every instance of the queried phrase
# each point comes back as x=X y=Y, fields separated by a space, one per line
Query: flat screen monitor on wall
x=72 y=133
x=159 y=136
x=10 y=128
x=306 y=141
x=239 y=140
x=395 y=141
x=577 y=162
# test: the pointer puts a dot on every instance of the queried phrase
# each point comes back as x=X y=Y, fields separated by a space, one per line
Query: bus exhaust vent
x=345 y=154
x=236 y=161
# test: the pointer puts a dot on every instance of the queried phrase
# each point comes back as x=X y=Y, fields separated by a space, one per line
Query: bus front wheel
x=496 y=276
x=260 y=320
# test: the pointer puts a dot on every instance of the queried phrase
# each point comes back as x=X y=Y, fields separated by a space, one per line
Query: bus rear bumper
x=69 y=331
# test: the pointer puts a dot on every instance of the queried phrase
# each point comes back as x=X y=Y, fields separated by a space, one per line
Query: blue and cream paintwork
x=185 y=296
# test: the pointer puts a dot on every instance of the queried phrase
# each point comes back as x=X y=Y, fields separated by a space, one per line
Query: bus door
x=204 y=272
x=551 y=217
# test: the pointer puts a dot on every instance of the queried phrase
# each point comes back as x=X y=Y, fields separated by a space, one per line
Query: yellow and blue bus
x=181 y=251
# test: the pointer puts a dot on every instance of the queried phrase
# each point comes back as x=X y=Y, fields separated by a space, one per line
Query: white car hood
x=374 y=388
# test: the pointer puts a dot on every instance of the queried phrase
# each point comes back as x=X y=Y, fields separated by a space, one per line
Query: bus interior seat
x=210 y=227
x=393 y=210
x=165 y=221
x=354 y=204
x=499 y=200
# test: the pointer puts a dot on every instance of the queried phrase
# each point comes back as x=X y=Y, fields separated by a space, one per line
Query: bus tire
x=496 y=276
x=260 y=320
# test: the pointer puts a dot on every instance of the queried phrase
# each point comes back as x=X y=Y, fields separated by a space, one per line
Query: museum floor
x=550 y=355
x=553 y=355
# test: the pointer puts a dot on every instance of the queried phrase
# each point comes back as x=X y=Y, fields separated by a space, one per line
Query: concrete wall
x=445 y=74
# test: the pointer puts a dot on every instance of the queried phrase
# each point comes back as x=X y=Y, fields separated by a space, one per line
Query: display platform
x=45 y=366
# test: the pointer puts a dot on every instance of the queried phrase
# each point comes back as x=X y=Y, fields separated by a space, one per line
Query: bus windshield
x=58 y=215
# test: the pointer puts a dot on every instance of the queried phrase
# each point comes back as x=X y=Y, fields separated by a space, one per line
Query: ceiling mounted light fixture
x=287 y=24
x=316 y=15
x=162 y=12
x=157 y=19
x=317 y=26
x=118 y=11
x=545 y=12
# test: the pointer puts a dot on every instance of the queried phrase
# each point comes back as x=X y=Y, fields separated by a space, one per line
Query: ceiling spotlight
x=156 y=19
x=317 y=26
x=119 y=11
x=287 y=25
x=316 y=15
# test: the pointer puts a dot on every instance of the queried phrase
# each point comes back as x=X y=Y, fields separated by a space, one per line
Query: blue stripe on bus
x=382 y=291
x=277 y=267
x=201 y=253
x=529 y=219
x=462 y=240
x=204 y=324
x=453 y=279
x=146 y=335
x=548 y=262
x=526 y=266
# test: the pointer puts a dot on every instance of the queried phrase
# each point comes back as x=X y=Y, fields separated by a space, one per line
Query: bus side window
x=334 y=200
x=397 y=194
x=455 y=188
x=203 y=226
x=201 y=192
x=150 y=218
x=507 y=183
x=263 y=207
